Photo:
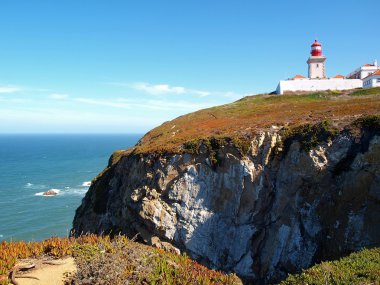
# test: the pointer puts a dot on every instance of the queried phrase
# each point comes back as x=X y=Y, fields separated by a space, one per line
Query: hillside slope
x=251 y=115
x=262 y=187
x=101 y=260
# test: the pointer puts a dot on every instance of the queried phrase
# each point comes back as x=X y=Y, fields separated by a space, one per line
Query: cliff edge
x=263 y=187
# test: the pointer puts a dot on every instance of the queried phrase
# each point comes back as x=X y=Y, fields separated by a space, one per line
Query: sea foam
x=86 y=184
x=77 y=191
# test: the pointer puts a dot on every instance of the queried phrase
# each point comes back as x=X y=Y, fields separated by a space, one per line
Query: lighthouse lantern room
x=316 y=62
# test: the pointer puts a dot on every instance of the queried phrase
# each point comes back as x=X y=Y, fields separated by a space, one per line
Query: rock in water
x=51 y=192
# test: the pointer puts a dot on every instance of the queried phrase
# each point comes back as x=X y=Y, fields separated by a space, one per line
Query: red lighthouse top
x=316 y=49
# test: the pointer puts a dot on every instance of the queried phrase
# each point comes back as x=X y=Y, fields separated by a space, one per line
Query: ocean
x=33 y=164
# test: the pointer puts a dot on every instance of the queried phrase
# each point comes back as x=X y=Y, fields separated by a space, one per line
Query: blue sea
x=33 y=164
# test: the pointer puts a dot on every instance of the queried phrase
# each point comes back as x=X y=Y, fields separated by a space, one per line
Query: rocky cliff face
x=260 y=215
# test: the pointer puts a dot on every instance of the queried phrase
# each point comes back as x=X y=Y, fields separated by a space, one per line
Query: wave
x=86 y=184
x=35 y=186
x=76 y=191
x=67 y=191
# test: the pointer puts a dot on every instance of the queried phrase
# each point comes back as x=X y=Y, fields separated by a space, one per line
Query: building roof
x=338 y=76
x=298 y=76
x=376 y=73
x=368 y=65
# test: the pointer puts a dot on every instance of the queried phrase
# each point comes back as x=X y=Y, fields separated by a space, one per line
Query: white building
x=317 y=80
x=317 y=85
x=372 y=80
x=364 y=71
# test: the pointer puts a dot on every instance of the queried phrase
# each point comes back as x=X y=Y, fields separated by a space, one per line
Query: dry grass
x=133 y=263
x=246 y=117
x=53 y=247
x=101 y=260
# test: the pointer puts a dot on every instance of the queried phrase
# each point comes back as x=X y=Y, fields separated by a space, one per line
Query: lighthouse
x=316 y=62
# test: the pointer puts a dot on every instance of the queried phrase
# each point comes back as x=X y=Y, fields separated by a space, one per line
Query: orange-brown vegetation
x=102 y=260
x=56 y=247
x=246 y=117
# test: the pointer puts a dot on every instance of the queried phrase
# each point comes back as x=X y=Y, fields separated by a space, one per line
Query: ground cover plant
x=252 y=114
x=102 y=260
x=358 y=268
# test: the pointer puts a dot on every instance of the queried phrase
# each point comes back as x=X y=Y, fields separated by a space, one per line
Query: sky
x=120 y=66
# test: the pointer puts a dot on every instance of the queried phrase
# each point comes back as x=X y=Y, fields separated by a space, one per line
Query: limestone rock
x=261 y=216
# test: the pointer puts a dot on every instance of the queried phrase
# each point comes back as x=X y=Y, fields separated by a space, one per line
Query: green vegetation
x=214 y=145
x=113 y=261
x=252 y=114
x=100 y=186
x=358 y=268
x=102 y=179
x=363 y=92
x=370 y=122
x=116 y=156
x=308 y=135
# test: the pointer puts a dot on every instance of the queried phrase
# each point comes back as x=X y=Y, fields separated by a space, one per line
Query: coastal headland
x=262 y=187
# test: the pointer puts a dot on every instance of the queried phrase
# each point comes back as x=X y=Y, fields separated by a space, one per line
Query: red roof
x=338 y=76
x=376 y=73
x=298 y=76
x=368 y=64
x=316 y=43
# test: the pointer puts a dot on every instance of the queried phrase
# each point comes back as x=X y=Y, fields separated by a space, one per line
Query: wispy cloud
x=9 y=89
x=167 y=89
x=14 y=100
x=160 y=89
x=136 y=103
x=141 y=104
x=116 y=103
x=58 y=96
x=179 y=105
x=70 y=121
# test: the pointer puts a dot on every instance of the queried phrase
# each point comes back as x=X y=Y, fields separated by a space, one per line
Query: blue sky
x=127 y=66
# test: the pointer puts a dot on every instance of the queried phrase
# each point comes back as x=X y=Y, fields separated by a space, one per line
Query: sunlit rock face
x=262 y=215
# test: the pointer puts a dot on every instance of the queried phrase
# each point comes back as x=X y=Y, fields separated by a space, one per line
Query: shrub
x=358 y=268
x=308 y=135
x=116 y=261
x=370 y=122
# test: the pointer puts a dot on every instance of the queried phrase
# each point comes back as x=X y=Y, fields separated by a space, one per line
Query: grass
x=55 y=247
x=358 y=268
x=364 y=92
x=252 y=114
x=103 y=260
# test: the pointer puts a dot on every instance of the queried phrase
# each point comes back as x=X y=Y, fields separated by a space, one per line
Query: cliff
x=262 y=187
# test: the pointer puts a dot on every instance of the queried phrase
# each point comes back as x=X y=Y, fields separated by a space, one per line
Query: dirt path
x=47 y=274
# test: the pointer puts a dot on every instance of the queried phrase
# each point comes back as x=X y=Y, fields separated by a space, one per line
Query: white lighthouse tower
x=316 y=62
